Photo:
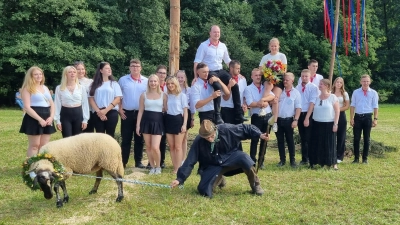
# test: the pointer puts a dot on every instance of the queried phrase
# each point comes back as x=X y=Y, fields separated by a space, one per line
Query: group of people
x=161 y=108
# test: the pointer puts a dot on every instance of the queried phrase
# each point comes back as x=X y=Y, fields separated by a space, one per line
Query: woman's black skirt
x=173 y=124
x=152 y=123
x=323 y=144
x=31 y=126
x=189 y=120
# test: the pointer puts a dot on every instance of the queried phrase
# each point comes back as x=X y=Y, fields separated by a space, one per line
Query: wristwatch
x=376 y=118
x=295 y=119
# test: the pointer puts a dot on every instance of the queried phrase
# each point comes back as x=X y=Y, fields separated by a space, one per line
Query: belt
x=256 y=114
x=363 y=114
x=287 y=118
x=133 y=110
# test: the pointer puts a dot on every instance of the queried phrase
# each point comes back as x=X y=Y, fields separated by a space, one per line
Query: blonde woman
x=182 y=79
x=71 y=103
x=176 y=121
x=344 y=104
x=150 y=121
x=38 y=104
x=268 y=87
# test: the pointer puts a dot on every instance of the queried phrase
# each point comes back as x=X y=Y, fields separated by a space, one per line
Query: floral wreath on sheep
x=26 y=178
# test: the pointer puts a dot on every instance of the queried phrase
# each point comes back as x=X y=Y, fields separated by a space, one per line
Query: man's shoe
x=218 y=119
x=162 y=165
x=148 y=166
x=365 y=161
x=303 y=163
x=139 y=165
x=293 y=164
x=280 y=164
x=262 y=166
x=356 y=161
x=240 y=118
x=257 y=190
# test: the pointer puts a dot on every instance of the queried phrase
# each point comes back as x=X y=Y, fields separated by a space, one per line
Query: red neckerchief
x=162 y=87
x=236 y=78
x=303 y=87
x=213 y=44
x=205 y=84
x=312 y=78
x=365 y=92
x=137 y=80
x=288 y=93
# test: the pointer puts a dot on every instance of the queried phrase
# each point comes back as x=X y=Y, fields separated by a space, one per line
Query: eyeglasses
x=320 y=102
x=135 y=66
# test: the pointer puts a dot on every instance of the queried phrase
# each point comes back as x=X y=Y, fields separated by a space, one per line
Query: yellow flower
x=39 y=155
x=48 y=156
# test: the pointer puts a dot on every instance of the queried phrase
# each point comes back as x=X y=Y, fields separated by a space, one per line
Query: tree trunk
x=174 y=35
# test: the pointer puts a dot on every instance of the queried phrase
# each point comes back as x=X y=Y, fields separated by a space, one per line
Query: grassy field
x=356 y=194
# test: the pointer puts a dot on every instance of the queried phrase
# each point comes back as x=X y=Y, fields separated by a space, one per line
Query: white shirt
x=198 y=92
x=253 y=94
x=176 y=104
x=341 y=100
x=131 y=91
x=106 y=93
x=364 y=104
x=187 y=92
x=323 y=109
x=68 y=99
x=308 y=96
x=154 y=105
x=212 y=55
x=278 y=56
x=40 y=99
x=316 y=78
x=86 y=82
x=242 y=85
x=289 y=104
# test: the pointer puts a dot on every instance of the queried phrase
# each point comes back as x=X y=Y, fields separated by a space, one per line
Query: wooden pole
x=174 y=35
x=334 y=40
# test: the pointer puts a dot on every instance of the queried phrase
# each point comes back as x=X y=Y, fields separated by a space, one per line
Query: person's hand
x=213 y=79
x=194 y=81
x=294 y=124
x=216 y=94
x=174 y=183
x=183 y=128
x=103 y=118
x=49 y=121
x=42 y=122
x=232 y=83
x=84 y=126
x=334 y=128
x=306 y=122
x=138 y=131
x=122 y=114
x=352 y=122
x=104 y=111
x=244 y=108
x=59 y=127
x=374 y=123
x=264 y=136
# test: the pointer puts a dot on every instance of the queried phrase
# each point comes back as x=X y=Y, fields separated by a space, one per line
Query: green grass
x=356 y=194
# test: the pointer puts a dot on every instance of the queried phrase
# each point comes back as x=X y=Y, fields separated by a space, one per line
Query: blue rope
x=127 y=181
x=361 y=24
x=331 y=18
x=353 y=28
x=338 y=62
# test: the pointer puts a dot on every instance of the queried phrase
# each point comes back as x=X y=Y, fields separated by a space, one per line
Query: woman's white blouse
x=176 y=104
x=68 y=99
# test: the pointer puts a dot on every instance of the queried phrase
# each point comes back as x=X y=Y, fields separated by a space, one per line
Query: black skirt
x=189 y=120
x=173 y=124
x=152 y=123
x=31 y=126
x=323 y=144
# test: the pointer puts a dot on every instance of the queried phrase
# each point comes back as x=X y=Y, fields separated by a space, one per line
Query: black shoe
x=280 y=164
x=293 y=164
x=218 y=119
x=139 y=165
x=240 y=118
x=162 y=165
x=124 y=166
x=199 y=171
x=356 y=161
x=262 y=166
x=365 y=161
x=148 y=166
x=303 y=163
x=257 y=190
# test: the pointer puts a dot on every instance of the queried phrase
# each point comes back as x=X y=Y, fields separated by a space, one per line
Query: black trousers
x=224 y=76
x=228 y=115
x=128 y=131
x=305 y=136
x=90 y=123
x=109 y=125
x=163 y=148
x=71 y=121
x=208 y=115
x=341 y=136
x=285 y=130
x=362 y=123
x=261 y=122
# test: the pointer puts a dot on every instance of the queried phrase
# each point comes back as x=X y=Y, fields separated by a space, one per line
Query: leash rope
x=127 y=181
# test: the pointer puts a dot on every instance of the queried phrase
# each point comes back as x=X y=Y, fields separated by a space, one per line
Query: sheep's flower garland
x=58 y=169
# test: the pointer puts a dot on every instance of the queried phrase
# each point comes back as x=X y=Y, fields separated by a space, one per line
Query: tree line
x=53 y=33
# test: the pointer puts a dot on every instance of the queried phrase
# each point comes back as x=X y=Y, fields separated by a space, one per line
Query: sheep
x=84 y=153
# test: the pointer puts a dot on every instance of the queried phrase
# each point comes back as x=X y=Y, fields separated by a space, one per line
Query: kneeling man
x=217 y=149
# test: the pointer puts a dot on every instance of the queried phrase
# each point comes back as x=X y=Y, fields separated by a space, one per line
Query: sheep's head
x=45 y=179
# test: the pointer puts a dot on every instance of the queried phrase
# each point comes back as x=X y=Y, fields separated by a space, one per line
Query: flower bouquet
x=272 y=71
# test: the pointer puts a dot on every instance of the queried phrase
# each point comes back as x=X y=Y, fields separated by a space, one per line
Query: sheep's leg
x=99 y=174
x=64 y=188
x=59 y=202
x=119 y=184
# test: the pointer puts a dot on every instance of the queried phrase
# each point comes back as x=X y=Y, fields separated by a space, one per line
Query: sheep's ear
x=54 y=175
x=35 y=182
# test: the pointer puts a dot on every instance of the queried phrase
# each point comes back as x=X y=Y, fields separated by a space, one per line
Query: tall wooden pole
x=334 y=40
x=174 y=35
